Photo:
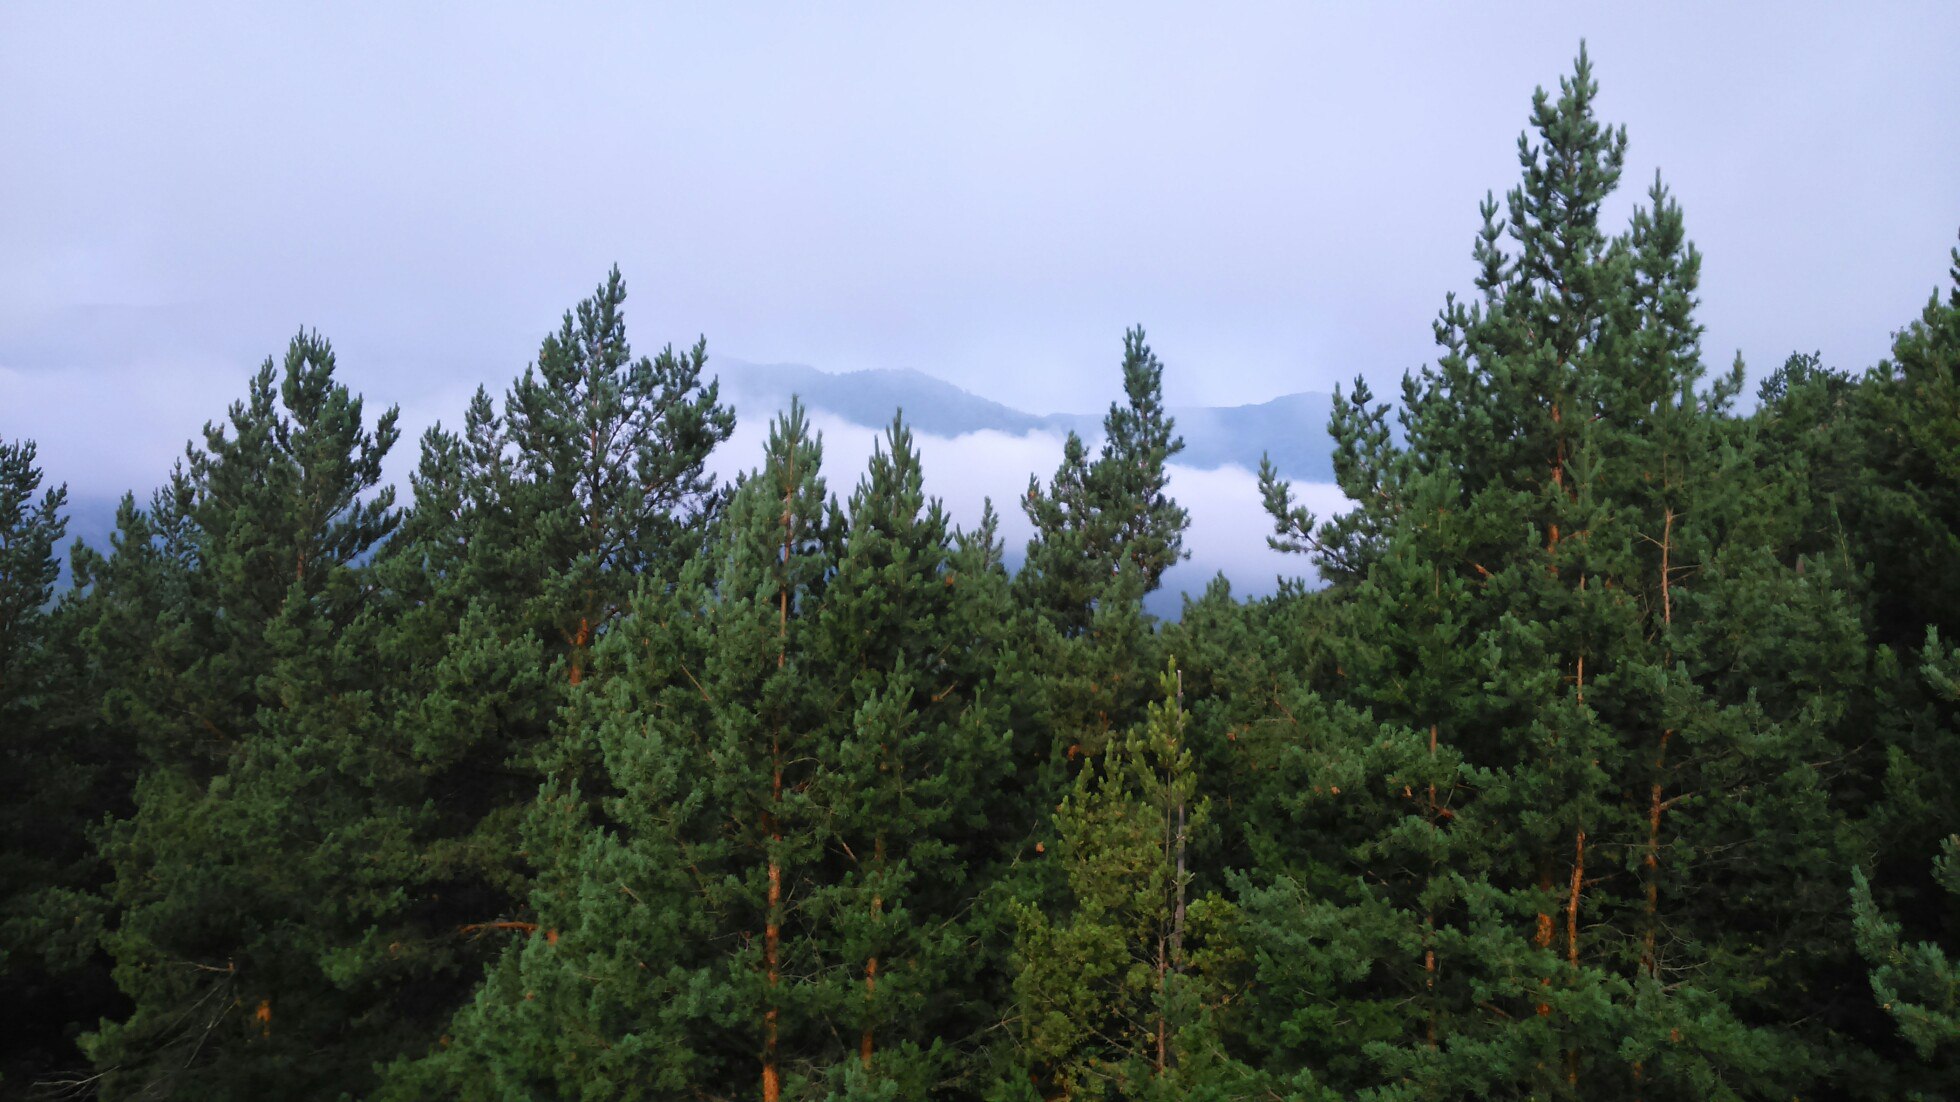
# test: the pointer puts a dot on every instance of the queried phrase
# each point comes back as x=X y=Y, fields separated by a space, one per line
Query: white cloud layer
x=1228 y=522
x=128 y=423
x=141 y=415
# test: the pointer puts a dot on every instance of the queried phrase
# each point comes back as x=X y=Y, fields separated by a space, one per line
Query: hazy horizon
x=1282 y=196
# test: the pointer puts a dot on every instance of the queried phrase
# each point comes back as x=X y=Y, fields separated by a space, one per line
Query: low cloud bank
x=102 y=430
x=132 y=440
x=1228 y=529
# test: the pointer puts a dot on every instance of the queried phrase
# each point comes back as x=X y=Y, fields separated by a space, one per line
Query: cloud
x=962 y=471
x=1228 y=520
x=141 y=414
x=1229 y=526
x=137 y=418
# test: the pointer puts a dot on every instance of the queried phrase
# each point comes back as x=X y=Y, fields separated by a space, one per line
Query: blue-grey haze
x=1281 y=193
x=1289 y=430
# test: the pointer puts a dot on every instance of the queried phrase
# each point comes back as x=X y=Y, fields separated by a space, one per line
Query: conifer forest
x=1608 y=749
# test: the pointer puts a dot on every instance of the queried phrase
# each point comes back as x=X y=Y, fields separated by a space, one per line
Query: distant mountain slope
x=869 y=397
x=1292 y=428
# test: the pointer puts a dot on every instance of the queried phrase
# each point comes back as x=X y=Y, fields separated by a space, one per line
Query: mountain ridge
x=1291 y=428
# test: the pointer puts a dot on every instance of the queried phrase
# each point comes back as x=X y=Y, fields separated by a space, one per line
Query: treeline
x=1616 y=760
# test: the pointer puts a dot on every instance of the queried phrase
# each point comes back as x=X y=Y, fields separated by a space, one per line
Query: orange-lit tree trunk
x=1572 y=895
x=1543 y=935
x=1429 y=914
x=772 y=930
x=865 y=1040
x=1572 y=899
x=579 y=640
x=1651 y=861
x=1572 y=938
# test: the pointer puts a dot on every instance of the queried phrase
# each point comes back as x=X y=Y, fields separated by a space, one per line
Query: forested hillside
x=1615 y=759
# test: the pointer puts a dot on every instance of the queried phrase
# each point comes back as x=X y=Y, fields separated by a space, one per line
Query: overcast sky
x=1281 y=194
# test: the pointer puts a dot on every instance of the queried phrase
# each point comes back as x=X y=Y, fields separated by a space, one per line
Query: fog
x=1281 y=193
x=1228 y=529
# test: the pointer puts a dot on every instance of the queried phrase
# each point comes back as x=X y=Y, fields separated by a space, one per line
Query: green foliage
x=1108 y=522
x=1104 y=986
x=1915 y=450
x=1917 y=984
x=800 y=759
x=1551 y=584
x=29 y=530
x=909 y=762
x=533 y=526
x=588 y=777
x=253 y=856
x=55 y=775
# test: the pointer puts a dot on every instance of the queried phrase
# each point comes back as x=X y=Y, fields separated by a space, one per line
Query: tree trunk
x=1171 y=961
x=871 y=964
x=1572 y=938
x=1429 y=915
x=1163 y=1027
x=1572 y=901
x=772 y=934
x=579 y=641
x=1652 y=862
x=1649 y=959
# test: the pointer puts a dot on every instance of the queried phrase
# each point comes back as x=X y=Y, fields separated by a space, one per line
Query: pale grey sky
x=1281 y=193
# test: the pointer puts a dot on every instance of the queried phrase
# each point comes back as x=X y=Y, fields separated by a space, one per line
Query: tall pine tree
x=532 y=526
x=255 y=855
x=1568 y=510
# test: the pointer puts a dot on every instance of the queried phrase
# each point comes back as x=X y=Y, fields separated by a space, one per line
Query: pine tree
x=1917 y=984
x=665 y=956
x=1909 y=523
x=1915 y=450
x=252 y=860
x=1105 y=532
x=914 y=749
x=1098 y=519
x=29 y=531
x=1868 y=460
x=531 y=529
x=1104 y=981
x=1370 y=853
x=610 y=466
x=1580 y=505
x=57 y=774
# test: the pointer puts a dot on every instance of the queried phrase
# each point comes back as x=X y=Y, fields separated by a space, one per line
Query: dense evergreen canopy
x=1614 y=760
